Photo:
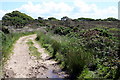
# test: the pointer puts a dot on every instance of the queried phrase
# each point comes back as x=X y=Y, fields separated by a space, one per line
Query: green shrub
x=62 y=30
x=87 y=74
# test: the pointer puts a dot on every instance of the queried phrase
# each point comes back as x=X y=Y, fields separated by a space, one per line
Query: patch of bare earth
x=22 y=65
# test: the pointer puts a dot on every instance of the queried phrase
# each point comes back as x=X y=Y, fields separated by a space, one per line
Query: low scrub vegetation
x=91 y=53
x=84 y=47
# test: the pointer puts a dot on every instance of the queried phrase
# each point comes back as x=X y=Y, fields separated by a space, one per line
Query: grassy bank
x=92 y=55
x=6 y=45
x=8 y=40
x=67 y=52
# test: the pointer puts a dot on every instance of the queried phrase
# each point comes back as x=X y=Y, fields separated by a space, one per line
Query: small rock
x=36 y=68
x=9 y=73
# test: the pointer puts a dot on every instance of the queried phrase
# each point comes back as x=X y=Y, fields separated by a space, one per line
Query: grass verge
x=33 y=49
x=6 y=45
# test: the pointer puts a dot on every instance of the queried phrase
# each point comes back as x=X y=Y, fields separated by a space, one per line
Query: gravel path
x=23 y=65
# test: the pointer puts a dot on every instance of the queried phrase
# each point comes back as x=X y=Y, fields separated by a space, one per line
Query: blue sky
x=60 y=8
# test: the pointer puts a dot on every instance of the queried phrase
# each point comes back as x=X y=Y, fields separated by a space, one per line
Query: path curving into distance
x=22 y=65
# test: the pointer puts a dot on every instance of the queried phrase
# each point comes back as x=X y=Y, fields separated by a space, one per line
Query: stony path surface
x=22 y=65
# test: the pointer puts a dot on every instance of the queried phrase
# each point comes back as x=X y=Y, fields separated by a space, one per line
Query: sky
x=59 y=8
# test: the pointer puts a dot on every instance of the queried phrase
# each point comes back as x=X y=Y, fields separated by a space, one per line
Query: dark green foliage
x=85 y=19
x=65 y=18
x=90 y=19
x=16 y=19
x=52 y=18
x=110 y=19
x=5 y=30
x=40 y=18
x=62 y=30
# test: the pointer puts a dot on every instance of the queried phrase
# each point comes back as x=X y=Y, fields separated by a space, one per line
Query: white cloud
x=51 y=8
x=92 y=11
x=84 y=7
x=78 y=8
x=108 y=12
x=58 y=0
x=2 y=13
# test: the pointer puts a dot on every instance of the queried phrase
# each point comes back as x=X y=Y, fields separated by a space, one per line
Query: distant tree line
x=19 y=19
x=78 y=19
x=90 y=19
x=81 y=19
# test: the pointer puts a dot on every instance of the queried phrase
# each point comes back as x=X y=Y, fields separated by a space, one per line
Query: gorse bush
x=62 y=30
x=16 y=19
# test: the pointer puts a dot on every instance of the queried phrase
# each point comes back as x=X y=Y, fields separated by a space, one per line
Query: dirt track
x=23 y=65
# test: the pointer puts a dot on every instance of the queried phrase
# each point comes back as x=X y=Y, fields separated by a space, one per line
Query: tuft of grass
x=87 y=74
x=30 y=42
x=33 y=49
